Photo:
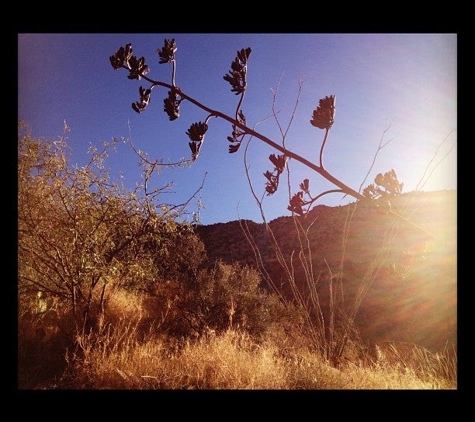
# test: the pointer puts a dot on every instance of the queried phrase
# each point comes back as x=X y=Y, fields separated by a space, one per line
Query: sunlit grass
x=234 y=361
x=126 y=353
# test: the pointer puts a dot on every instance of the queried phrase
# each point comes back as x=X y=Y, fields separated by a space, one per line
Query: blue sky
x=400 y=86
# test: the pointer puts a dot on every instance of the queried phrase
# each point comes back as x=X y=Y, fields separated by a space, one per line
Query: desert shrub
x=228 y=296
x=44 y=334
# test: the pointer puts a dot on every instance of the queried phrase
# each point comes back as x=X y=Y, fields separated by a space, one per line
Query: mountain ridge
x=442 y=205
x=418 y=273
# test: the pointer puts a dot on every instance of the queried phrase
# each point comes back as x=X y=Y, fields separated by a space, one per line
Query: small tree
x=78 y=231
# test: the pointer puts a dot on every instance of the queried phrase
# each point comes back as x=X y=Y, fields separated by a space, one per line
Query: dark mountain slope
x=411 y=267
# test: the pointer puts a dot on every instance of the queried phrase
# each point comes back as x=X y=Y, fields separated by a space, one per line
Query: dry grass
x=126 y=354
x=230 y=361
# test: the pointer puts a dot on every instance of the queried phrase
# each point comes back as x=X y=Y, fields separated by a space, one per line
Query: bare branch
x=419 y=185
x=381 y=145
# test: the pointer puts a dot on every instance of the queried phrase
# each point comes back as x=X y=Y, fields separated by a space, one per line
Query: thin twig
x=433 y=158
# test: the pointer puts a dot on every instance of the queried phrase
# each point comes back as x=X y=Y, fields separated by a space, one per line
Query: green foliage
x=79 y=231
x=229 y=296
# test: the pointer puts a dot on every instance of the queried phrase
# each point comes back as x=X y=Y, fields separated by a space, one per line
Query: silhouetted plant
x=323 y=117
x=387 y=185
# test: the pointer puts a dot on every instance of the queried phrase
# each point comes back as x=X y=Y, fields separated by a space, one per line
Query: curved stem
x=173 y=72
x=323 y=146
x=312 y=200
x=325 y=193
x=239 y=105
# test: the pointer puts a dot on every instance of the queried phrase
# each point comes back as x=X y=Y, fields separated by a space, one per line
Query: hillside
x=413 y=293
